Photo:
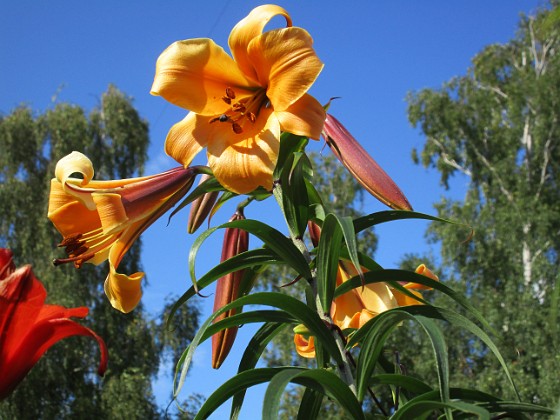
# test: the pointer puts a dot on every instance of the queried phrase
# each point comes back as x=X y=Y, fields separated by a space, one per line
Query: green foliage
x=349 y=365
x=498 y=126
x=63 y=384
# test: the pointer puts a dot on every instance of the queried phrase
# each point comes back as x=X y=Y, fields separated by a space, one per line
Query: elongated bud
x=362 y=166
x=201 y=207
x=314 y=232
x=227 y=290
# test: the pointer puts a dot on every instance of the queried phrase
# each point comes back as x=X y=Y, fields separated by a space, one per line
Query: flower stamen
x=243 y=108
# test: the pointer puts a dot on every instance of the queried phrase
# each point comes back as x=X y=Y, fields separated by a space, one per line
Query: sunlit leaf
x=310 y=405
x=244 y=260
x=289 y=144
x=328 y=253
x=291 y=306
x=210 y=185
x=295 y=202
x=320 y=380
x=252 y=355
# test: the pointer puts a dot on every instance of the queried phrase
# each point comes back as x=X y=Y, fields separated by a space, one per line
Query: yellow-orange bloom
x=356 y=307
x=240 y=105
x=352 y=309
x=100 y=220
x=405 y=300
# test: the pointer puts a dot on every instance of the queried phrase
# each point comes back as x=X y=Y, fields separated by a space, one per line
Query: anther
x=230 y=93
x=236 y=128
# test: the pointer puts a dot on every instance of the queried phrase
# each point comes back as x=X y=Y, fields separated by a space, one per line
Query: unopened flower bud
x=314 y=232
x=302 y=329
x=227 y=290
x=362 y=166
x=201 y=207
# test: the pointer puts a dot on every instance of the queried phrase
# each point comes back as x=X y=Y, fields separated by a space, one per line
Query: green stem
x=345 y=369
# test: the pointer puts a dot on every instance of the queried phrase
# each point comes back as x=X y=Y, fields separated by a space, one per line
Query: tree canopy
x=497 y=126
x=63 y=383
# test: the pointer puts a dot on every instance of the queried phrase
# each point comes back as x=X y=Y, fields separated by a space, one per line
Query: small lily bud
x=227 y=290
x=302 y=329
x=314 y=232
x=201 y=207
x=362 y=166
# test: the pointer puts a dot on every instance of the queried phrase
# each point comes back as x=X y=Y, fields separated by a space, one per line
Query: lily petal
x=124 y=291
x=305 y=117
x=194 y=75
x=187 y=137
x=305 y=347
x=243 y=162
x=286 y=63
x=28 y=327
x=247 y=29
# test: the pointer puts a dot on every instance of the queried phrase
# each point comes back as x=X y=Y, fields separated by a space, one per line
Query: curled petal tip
x=362 y=166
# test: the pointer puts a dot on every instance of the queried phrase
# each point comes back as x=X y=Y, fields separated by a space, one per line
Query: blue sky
x=374 y=53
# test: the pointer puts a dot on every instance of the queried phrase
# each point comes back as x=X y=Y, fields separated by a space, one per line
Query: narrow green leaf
x=295 y=202
x=407 y=382
x=277 y=242
x=435 y=313
x=210 y=185
x=318 y=379
x=239 y=383
x=377 y=218
x=251 y=356
x=272 y=238
x=289 y=144
x=310 y=406
x=249 y=259
x=416 y=409
x=293 y=307
x=378 y=329
x=327 y=260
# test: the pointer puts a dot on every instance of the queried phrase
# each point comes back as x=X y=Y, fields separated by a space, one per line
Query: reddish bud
x=227 y=290
x=314 y=232
x=362 y=166
x=201 y=207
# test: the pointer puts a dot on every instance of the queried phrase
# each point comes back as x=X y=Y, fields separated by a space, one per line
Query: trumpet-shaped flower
x=28 y=327
x=239 y=105
x=352 y=309
x=100 y=220
x=356 y=307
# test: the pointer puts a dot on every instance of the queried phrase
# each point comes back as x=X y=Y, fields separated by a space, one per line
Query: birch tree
x=497 y=128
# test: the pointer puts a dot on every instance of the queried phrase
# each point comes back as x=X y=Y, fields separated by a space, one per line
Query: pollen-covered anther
x=230 y=93
x=72 y=239
x=236 y=128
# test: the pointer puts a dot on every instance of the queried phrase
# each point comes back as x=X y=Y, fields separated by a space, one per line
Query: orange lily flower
x=100 y=220
x=405 y=300
x=240 y=105
x=353 y=309
x=28 y=327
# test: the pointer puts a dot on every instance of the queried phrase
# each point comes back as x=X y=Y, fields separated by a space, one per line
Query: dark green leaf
x=327 y=260
x=251 y=356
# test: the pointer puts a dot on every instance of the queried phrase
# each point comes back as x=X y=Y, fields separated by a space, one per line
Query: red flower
x=28 y=327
